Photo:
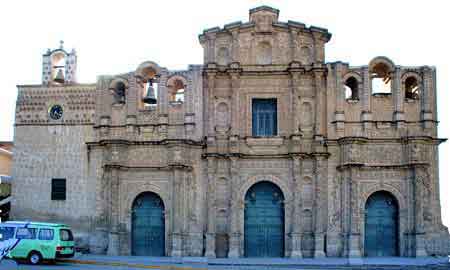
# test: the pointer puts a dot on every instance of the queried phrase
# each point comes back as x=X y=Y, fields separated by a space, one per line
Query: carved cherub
x=352 y=154
x=415 y=152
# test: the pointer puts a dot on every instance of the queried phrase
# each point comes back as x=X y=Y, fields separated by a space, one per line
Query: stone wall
x=53 y=152
x=330 y=153
x=48 y=148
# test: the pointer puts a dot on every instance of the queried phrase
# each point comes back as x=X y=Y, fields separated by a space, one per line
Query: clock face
x=55 y=112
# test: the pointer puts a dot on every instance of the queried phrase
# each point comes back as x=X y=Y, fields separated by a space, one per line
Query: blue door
x=264 y=221
x=381 y=225
x=147 y=232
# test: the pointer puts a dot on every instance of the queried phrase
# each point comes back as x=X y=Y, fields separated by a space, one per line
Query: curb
x=312 y=266
x=119 y=264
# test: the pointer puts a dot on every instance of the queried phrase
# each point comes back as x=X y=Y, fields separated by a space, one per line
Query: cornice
x=167 y=142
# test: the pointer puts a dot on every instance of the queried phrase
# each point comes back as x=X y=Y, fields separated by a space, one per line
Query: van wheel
x=34 y=257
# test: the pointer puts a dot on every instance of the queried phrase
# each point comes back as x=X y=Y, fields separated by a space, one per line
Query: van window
x=45 y=234
x=65 y=235
x=6 y=233
x=26 y=233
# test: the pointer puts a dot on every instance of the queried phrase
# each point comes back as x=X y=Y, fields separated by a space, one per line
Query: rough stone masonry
x=264 y=150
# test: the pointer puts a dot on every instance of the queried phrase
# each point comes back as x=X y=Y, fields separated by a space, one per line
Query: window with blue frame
x=264 y=117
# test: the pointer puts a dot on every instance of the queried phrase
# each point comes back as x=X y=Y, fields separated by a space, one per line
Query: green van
x=36 y=241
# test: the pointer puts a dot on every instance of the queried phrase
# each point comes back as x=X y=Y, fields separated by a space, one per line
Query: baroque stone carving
x=200 y=153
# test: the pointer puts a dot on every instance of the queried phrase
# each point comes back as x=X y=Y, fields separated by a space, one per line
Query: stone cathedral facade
x=264 y=150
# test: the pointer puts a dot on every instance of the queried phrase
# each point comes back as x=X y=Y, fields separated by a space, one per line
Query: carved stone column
x=295 y=84
x=320 y=103
x=235 y=109
x=103 y=100
x=211 y=75
x=410 y=222
x=211 y=47
x=162 y=95
x=235 y=46
x=204 y=43
x=295 y=46
x=355 y=235
x=399 y=98
x=419 y=185
x=234 y=211
x=132 y=99
x=319 y=47
x=114 y=244
x=320 y=206
x=334 y=217
x=427 y=82
x=163 y=104
x=339 y=115
x=178 y=195
x=210 y=234
x=366 y=114
x=189 y=114
x=296 y=224
x=98 y=240
x=189 y=95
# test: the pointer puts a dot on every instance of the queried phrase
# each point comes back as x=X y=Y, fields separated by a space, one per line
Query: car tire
x=34 y=258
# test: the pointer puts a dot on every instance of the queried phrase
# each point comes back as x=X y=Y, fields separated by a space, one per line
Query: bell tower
x=59 y=66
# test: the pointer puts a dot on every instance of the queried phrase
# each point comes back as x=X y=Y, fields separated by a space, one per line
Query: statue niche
x=222 y=118
x=306 y=120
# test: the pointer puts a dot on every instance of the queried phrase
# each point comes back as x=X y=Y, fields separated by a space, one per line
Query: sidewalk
x=203 y=263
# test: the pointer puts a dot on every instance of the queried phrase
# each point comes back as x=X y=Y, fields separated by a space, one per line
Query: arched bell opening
x=118 y=88
x=381 y=71
x=176 y=87
x=411 y=86
x=148 y=74
x=351 y=89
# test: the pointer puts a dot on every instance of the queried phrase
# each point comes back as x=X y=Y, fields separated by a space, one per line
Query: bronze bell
x=150 y=96
x=59 y=78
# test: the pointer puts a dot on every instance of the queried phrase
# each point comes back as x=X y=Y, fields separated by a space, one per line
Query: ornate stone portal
x=336 y=141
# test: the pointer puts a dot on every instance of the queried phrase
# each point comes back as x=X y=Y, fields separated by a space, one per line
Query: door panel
x=264 y=221
x=381 y=225
x=148 y=225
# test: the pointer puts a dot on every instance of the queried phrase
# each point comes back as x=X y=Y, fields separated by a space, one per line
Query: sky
x=116 y=36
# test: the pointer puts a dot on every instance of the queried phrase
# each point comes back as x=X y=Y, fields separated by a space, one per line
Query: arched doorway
x=381 y=225
x=264 y=221
x=147 y=225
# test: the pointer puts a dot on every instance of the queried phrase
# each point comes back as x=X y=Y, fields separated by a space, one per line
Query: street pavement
x=100 y=267
x=188 y=263
x=66 y=267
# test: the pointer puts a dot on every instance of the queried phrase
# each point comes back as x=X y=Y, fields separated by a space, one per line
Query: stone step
x=332 y=267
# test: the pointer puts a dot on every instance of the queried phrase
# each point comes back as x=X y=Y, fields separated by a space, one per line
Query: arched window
x=118 y=88
x=411 y=88
x=176 y=90
x=381 y=79
x=351 y=89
